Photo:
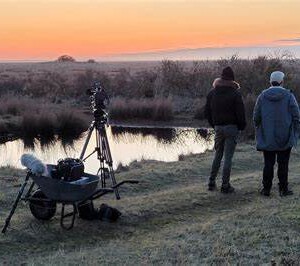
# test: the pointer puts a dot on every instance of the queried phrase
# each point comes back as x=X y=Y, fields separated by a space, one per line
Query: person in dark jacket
x=276 y=118
x=225 y=112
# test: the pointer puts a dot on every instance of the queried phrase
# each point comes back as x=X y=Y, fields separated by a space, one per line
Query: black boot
x=212 y=186
x=265 y=192
x=227 y=189
x=285 y=192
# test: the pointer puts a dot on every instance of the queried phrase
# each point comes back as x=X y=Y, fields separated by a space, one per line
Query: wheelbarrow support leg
x=7 y=221
x=64 y=216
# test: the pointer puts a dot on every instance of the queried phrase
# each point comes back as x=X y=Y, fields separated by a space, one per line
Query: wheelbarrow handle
x=99 y=193
x=131 y=181
x=102 y=191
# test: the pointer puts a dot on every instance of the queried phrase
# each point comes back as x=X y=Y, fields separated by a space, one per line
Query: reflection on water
x=127 y=144
x=46 y=141
x=162 y=135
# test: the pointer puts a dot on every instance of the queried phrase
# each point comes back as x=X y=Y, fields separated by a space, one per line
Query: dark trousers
x=225 y=143
x=283 y=168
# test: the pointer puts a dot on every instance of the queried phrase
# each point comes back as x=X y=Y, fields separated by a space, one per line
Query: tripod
x=103 y=151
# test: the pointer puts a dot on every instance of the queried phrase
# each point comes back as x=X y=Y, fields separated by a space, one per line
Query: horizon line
x=158 y=52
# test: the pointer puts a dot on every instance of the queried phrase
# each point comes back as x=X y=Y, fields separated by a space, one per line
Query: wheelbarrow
x=46 y=192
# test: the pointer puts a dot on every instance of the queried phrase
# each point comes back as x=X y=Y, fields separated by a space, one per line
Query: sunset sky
x=45 y=29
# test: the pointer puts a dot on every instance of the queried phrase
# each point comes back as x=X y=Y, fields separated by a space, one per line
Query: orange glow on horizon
x=46 y=29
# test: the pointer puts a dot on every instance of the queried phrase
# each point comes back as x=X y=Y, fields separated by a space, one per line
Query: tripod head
x=99 y=101
x=96 y=85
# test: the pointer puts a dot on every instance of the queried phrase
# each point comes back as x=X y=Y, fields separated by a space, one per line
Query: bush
x=249 y=102
x=159 y=109
x=70 y=124
x=29 y=128
x=85 y=80
x=199 y=114
x=65 y=58
x=47 y=85
x=163 y=110
x=173 y=78
x=16 y=105
x=12 y=85
x=46 y=128
x=34 y=126
x=30 y=119
x=3 y=127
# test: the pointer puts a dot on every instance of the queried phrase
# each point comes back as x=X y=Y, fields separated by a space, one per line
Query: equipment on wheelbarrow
x=45 y=192
x=31 y=162
x=68 y=169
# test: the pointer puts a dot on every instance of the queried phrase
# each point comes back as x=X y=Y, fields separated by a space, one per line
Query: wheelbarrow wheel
x=42 y=209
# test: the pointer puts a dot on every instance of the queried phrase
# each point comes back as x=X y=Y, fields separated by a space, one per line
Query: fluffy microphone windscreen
x=35 y=165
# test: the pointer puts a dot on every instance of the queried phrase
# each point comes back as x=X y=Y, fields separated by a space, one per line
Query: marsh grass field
x=168 y=219
x=157 y=93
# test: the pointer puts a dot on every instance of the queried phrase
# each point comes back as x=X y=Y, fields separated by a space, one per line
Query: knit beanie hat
x=227 y=73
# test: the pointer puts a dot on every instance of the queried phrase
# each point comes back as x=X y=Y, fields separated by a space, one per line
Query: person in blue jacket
x=276 y=118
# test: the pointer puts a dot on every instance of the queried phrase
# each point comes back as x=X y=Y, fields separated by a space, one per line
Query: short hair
x=275 y=83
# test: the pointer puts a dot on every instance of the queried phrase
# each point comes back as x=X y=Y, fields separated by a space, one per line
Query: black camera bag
x=106 y=213
x=87 y=211
x=69 y=169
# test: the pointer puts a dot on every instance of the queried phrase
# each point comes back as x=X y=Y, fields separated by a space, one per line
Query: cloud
x=289 y=40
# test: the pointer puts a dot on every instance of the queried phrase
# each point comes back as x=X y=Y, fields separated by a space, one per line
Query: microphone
x=35 y=165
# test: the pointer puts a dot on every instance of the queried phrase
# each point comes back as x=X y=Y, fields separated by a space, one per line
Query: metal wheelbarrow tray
x=62 y=191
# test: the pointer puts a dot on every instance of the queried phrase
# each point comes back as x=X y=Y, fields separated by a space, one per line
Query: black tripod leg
x=100 y=158
x=103 y=153
x=7 y=221
x=91 y=128
x=101 y=173
x=108 y=159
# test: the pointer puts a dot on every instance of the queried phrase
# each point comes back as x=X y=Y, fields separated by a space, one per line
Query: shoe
x=265 y=192
x=212 y=187
x=285 y=192
x=227 y=189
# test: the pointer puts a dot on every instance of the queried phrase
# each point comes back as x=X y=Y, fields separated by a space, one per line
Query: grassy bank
x=169 y=218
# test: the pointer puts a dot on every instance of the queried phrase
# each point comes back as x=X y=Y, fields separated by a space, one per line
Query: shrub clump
x=31 y=119
x=158 y=109
x=70 y=124
x=65 y=58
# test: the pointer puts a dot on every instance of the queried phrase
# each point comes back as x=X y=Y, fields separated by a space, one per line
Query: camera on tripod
x=99 y=101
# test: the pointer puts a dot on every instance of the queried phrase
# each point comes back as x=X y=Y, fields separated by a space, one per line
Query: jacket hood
x=219 y=82
x=275 y=94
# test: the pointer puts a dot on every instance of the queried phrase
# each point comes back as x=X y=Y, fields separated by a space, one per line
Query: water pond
x=127 y=144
